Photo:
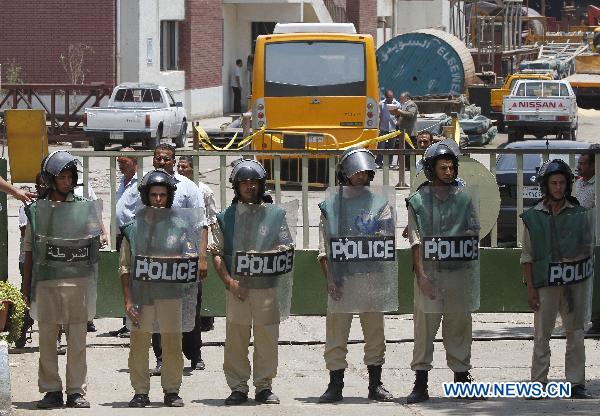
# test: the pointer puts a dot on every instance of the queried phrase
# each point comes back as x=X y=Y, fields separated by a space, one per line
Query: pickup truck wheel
x=98 y=144
x=180 y=139
x=514 y=135
x=501 y=126
x=153 y=142
x=511 y=136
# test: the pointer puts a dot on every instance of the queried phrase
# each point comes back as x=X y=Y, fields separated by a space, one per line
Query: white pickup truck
x=137 y=113
x=541 y=108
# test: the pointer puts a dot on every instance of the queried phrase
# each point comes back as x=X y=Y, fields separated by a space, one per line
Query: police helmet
x=247 y=170
x=157 y=177
x=550 y=167
x=354 y=160
x=56 y=162
x=445 y=149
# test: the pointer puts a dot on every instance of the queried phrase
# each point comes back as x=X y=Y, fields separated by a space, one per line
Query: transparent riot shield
x=263 y=262
x=569 y=240
x=164 y=268
x=66 y=241
x=448 y=222
x=360 y=241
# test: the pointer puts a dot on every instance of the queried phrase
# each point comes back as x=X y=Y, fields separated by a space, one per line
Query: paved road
x=501 y=353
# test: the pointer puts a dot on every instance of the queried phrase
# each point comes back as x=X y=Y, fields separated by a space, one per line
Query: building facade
x=190 y=46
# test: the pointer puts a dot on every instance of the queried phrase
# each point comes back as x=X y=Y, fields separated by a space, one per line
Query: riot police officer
x=443 y=232
x=252 y=227
x=557 y=259
x=61 y=246
x=355 y=215
x=159 y=272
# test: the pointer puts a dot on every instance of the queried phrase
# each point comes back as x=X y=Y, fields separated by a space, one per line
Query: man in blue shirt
x=387 y=123
x=128 y=200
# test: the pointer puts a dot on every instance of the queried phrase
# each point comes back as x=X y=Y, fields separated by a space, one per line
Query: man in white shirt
x=585 y=186
x=192 y=341
x=236 y=86
x=585 y=192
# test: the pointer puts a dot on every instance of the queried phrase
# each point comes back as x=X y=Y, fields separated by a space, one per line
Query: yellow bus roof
x=314 y=28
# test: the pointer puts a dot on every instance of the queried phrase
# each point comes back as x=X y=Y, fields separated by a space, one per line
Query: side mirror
x=178 y=104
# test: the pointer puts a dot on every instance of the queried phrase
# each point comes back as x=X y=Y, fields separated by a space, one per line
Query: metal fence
x=387 y=174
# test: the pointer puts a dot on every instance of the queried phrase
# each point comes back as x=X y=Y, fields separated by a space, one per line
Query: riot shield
x=570 y=242
x=263 y=262
x=164 y=268
x=448 y=222
x=360 y=241
x=66 y=241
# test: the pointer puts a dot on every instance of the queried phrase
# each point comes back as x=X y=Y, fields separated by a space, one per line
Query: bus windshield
x=314 y=68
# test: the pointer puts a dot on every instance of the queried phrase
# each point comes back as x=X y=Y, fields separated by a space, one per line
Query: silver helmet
x=354 y=160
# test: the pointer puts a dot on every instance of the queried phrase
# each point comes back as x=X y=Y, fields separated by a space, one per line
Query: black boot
x=376 y=390
x=419 y=392
x=465 y=377
x=334 y=389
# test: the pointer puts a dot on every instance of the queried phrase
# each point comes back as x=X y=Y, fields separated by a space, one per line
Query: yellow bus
x=314 y=87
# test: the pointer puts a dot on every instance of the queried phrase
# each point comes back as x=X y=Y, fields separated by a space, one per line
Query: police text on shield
x=170 y=270
x=264 y=264
x=463 y=248
x=364 y=248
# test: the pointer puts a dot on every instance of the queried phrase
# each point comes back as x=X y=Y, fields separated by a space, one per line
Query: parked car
x=143 y=113
x=540 y=108
x=506 y=177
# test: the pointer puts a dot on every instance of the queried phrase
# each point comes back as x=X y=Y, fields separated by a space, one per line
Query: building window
x=169 y=45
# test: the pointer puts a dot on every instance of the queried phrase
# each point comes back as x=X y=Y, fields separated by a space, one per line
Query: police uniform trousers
x=571 y=302
x=62 y=302
x=259 y=312
x=337 y=330
x=191 y=342
x=168 y=313
x=456 y=334
x=452 y=313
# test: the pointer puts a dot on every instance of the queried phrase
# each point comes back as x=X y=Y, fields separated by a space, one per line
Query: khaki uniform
x=57 y=300
x=552 y=302
x=456 y=327
x=258 y=307
x=167 y=312
x=337 y=330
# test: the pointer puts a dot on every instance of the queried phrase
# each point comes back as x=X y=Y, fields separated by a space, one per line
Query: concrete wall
x=422 y=14
x=197 y=82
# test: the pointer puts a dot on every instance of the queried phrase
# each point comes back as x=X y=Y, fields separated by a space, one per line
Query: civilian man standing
x=236 y=86
x=128 y=200
x=585 y=192
x=387 y=123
